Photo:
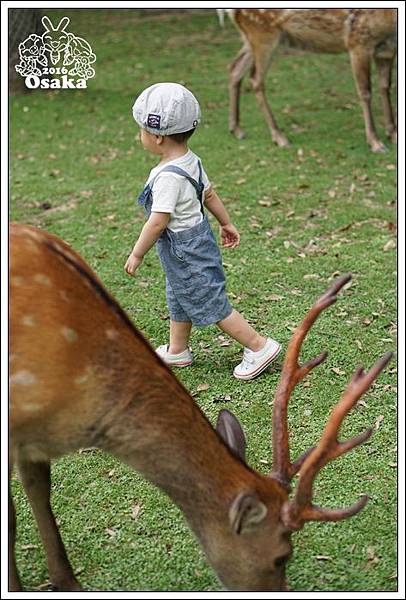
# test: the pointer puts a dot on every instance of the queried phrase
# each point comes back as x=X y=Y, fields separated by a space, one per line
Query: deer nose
x=54 y=44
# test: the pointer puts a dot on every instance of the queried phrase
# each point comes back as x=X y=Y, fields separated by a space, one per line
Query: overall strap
x=198 y=185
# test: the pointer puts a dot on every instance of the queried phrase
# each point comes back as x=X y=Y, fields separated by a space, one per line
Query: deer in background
x=81 y=375
x=365 y=34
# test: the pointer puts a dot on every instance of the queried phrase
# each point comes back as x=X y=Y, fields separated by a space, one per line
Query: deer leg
x=361 y=68
x=238 y=69
x=384 y=69
x=262 y=57
x=36 y=479
x=13 y=577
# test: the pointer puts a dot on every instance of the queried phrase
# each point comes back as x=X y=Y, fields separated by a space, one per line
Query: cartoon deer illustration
x=366 y=34
x=82 y=375
x=55 y=39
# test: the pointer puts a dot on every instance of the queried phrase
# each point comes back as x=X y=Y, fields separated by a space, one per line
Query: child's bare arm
x=151 y=231
x=229 y=234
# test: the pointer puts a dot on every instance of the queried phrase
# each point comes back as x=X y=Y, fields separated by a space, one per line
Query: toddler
x=175 y=198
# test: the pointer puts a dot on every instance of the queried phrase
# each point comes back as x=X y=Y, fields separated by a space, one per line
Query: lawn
x=322 y=207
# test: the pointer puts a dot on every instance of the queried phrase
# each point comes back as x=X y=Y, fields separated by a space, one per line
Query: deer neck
x=166 y=437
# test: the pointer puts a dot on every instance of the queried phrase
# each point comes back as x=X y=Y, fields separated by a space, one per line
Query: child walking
x=175 y=198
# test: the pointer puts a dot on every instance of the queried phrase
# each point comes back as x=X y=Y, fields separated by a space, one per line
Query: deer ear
x=47 y=24
x=63 y=24
x=246 y=512
x=230 y=430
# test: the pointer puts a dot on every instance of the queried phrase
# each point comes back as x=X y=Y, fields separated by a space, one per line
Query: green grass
x=330 y=208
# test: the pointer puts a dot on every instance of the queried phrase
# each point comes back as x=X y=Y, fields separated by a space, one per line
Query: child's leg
x=179 y=336
x=237 y=327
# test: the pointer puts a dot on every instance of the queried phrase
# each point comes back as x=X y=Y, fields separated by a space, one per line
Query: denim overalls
x=191 y=259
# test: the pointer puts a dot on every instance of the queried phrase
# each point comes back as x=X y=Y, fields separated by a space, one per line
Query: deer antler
x=300 y=509
x=292 y=373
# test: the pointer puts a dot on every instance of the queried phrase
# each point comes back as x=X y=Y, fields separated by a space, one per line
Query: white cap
x=167 y=108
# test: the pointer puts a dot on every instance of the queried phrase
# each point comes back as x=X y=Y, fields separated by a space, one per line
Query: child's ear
x=159 y=139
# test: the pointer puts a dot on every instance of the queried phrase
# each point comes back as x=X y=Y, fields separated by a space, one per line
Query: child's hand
x=230 y=238
x=132 y=264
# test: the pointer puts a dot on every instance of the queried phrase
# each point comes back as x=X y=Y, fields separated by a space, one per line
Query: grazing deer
x=365 y=34
x=82 y=375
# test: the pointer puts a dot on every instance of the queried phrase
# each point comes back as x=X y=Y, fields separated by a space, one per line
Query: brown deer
x=81 y=375
x=365 y=34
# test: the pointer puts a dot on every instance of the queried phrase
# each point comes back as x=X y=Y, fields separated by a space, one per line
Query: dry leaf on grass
x=135 y=511
x=391 y=245
x=202 y=387
x=379 y=421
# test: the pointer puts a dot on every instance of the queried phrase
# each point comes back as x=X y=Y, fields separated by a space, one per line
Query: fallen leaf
x=323 y=557
x=346 y=227
x=43 y=586
x=391 y=245
x=379 y=421
x=135 y=511
x=111 y=532
x=226 y=398
x=202 y=387
x=337 y=371
x=372 y=558
x=274 y=297
x=359 y=344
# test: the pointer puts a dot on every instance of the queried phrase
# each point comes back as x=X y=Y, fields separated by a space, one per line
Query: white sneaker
x=183 y=359
x=253 y=363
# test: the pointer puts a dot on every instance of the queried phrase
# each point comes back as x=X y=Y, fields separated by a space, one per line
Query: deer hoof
x=378 y=147
x=238 y=133
x=281 y=141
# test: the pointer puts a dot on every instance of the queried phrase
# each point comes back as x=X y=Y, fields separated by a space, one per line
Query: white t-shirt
x=174 y=194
